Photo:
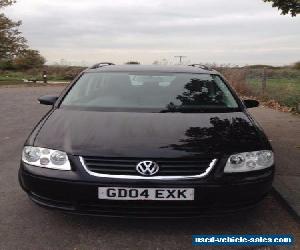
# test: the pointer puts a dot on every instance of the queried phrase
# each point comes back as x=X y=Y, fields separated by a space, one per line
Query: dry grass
x=282 y=87
x=238 y=79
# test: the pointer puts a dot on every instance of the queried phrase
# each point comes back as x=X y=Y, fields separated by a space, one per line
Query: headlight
x=249 y=161
x=46 y=158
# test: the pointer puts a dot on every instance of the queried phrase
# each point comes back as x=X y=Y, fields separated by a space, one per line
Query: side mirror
x=251 y=103
x=47 y=99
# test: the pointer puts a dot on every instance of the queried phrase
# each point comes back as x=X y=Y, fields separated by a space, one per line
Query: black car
x=133 y=140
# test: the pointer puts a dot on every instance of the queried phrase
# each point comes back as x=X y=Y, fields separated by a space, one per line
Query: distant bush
x=54 y=73
x=63 y=72
x=6 y=65
x=29 y=59
x=297 y=65
x=282 y=84
x=132 y=62
x=238 y=79
x=261 y=66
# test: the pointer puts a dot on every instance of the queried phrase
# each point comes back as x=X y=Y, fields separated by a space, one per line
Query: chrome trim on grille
x=136 y=177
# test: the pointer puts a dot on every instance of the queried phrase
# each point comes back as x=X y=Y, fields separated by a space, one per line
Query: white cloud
x=237 y=31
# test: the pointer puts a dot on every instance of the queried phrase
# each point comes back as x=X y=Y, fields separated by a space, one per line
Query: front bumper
x=76 y=191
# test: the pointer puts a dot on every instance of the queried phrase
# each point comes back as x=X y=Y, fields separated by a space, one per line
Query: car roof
x=152 y=68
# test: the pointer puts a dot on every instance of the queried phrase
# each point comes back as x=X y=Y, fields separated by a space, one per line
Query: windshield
x=170 y=92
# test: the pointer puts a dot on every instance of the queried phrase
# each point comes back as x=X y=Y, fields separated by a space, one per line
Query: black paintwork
x=145 y=135
x=47 y=99
x=122 y=134
x=251 y=103
x=78 y=196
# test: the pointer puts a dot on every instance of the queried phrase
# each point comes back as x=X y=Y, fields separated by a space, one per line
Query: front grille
x=127 y=166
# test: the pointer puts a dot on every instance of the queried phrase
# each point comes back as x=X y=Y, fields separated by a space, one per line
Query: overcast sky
x=220 y=31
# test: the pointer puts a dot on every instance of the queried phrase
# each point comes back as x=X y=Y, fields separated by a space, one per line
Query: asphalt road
x=23 y=225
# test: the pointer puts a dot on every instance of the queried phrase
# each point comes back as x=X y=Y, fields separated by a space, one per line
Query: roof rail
x=101 y=64
x=201 y=66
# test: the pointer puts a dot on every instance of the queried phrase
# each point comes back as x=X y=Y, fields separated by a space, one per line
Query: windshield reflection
x=174 y=92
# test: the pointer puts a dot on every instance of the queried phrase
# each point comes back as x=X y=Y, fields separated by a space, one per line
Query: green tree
x=29 y=59
x=286 y=6
x=11 y=40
